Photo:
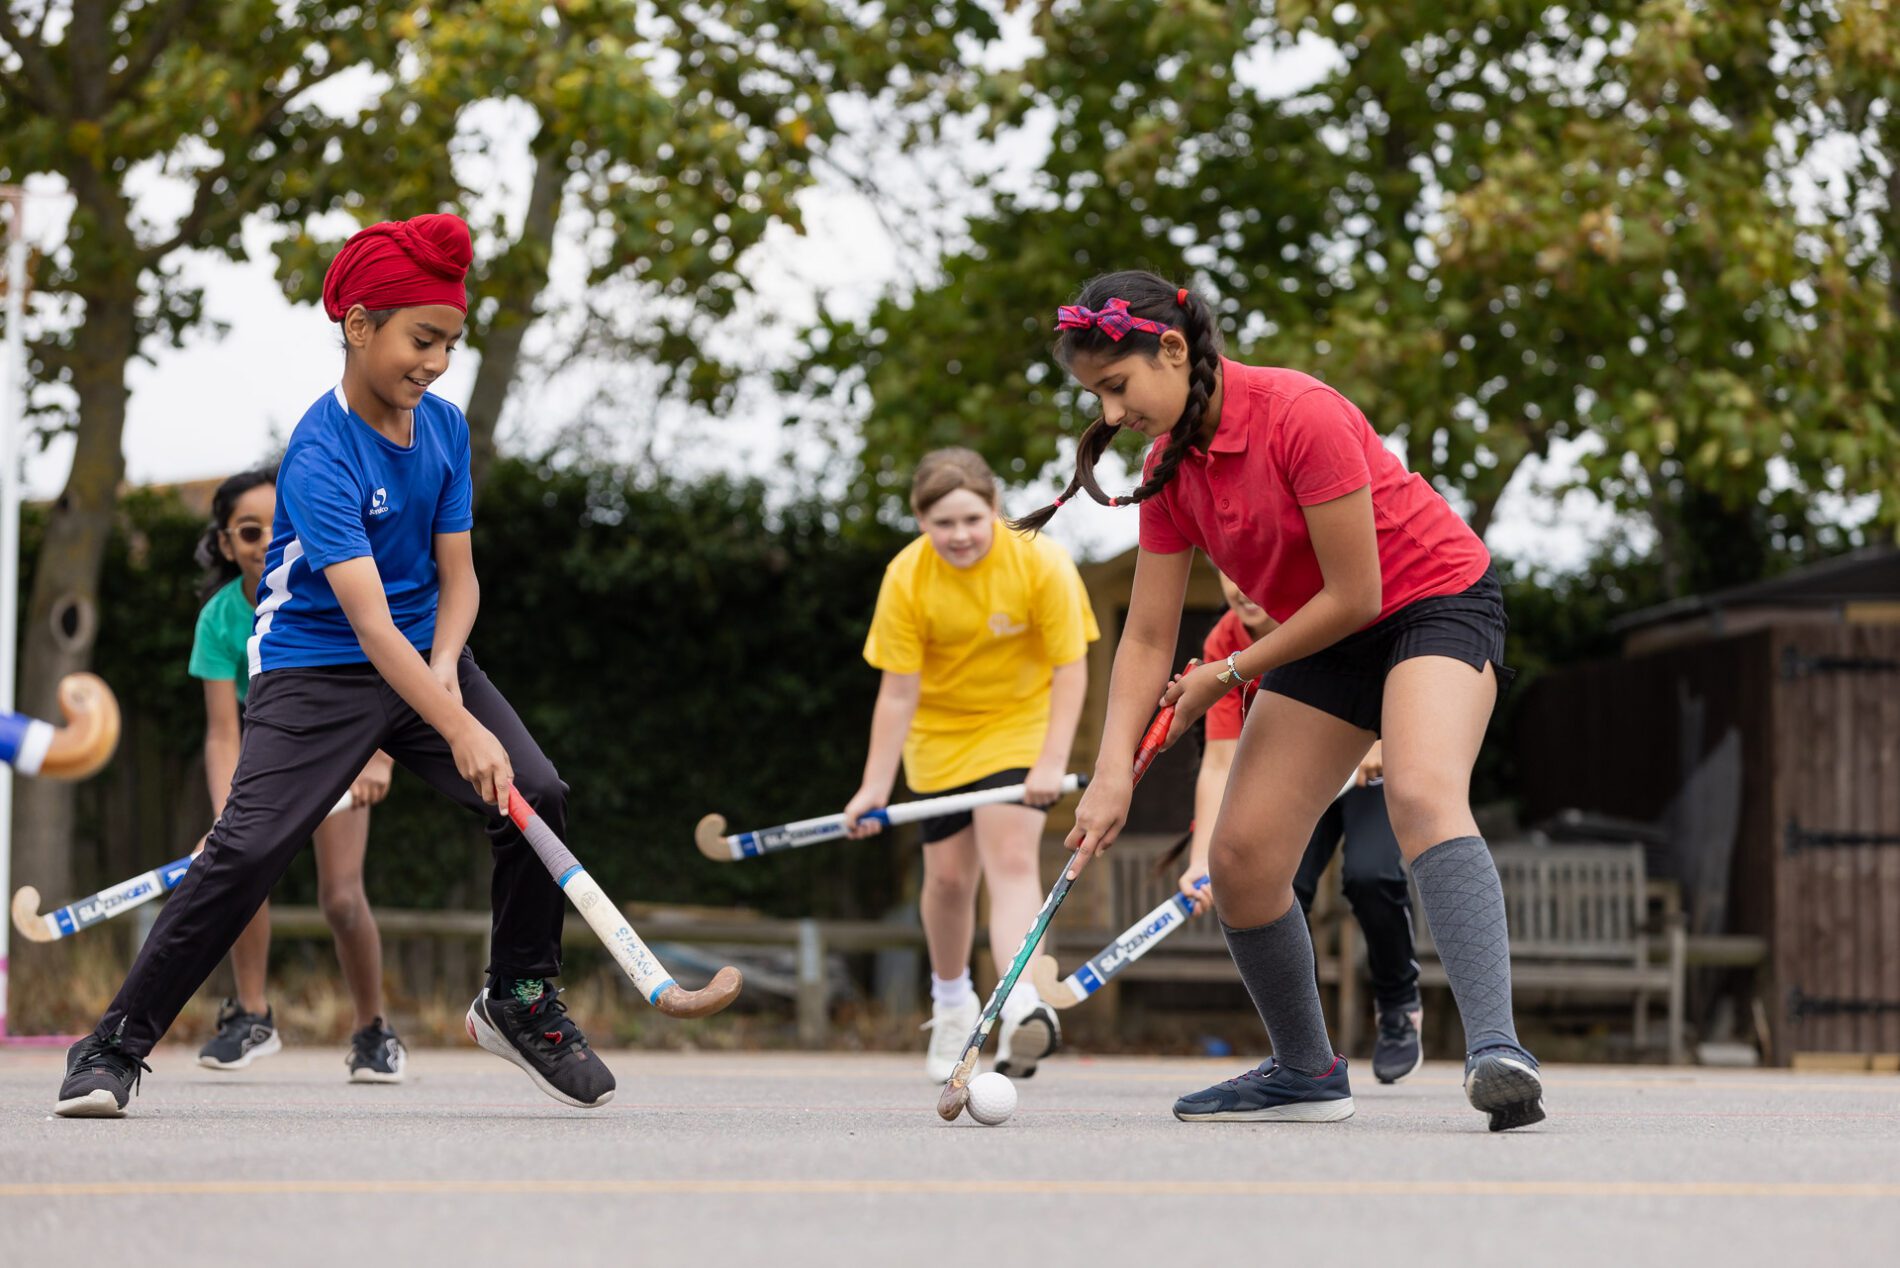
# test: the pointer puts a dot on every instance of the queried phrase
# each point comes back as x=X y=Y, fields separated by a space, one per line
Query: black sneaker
x=1503 y=1083
x=1399 y=1050
x=1272 y=1093
x=538 y=1036
x=1022 y=1045
x=376 y=1055
x=241 y=1039
x=100 y=1078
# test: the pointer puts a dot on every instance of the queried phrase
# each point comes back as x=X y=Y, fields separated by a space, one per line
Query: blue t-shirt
x=346 y=491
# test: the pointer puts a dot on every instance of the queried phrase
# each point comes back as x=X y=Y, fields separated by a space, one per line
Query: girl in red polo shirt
x=1390 y=625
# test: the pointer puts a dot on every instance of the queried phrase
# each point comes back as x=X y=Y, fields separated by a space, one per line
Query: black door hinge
x=1820 y=1006
x=1796 y=838
x=1796 y=665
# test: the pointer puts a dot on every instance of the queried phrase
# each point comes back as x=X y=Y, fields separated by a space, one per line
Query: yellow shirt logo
x=1002 y=627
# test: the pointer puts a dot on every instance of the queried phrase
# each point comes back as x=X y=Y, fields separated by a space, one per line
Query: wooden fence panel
x=1837 y=750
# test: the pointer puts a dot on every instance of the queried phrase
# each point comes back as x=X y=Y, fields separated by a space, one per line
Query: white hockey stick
x=715 y=845
x=81 y=913
x=606 y=920
x=1134 y=942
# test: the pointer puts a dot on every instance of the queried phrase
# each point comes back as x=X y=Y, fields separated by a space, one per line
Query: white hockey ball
x=992 y=1099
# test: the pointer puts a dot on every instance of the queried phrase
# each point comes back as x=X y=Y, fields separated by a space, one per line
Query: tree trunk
x=61 y=616
x=1662 y=515
x=520 y=277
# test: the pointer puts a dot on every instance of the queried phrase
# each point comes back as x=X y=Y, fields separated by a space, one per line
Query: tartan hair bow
x=1112 y=319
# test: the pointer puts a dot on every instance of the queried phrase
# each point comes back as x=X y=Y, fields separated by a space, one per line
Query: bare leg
x=1435 y=713
x=250 y=960
x=341 y=841
x=948 y=904
x=1006 y=841
x=1288 y=766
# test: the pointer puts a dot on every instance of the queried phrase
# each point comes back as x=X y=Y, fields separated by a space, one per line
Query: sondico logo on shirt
x=379 y=502
x=1002 y=627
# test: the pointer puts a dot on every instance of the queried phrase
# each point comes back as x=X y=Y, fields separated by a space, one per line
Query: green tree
x=218 y=97
x=676 y=133
x=669 y=138
x=1494 y=224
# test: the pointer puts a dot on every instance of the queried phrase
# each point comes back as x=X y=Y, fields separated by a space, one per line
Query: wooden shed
x=1803 y=673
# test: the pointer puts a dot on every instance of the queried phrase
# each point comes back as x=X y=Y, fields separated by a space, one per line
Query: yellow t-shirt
x=986 y=640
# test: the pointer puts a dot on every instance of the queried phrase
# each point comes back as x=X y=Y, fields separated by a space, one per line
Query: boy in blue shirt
x=368 y=597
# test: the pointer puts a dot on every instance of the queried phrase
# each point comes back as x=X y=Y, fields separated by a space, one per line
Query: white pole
x=12 y=414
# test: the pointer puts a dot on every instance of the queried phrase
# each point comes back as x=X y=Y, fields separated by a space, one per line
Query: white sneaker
x=949 y=1026
x=1026 y=1041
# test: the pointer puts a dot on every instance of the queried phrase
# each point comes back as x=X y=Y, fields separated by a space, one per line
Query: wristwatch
x=1231 y=675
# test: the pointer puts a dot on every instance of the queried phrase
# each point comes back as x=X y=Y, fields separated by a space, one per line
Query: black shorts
x=1347 y=679
x=945 y=826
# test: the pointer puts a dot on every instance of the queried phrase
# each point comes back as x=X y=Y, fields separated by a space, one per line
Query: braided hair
x=1151 y=302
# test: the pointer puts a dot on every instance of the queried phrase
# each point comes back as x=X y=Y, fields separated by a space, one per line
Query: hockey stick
x=956 y=1092
x=1139 y=939
x=64 y=922
x=1134 y=942
x=715 y=845
x=73 y=751
x=606 y=920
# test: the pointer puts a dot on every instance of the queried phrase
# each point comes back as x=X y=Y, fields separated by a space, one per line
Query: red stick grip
x=1151 y=742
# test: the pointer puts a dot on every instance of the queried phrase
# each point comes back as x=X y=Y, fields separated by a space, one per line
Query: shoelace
x=1394 y=1026
x=944 y=1041
x=107 y=1055
x=233 y=1022
x=548 y=1024
x=368 y=1042
x=1264 y=1071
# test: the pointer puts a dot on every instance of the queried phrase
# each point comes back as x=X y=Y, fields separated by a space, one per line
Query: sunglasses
x=249 y=534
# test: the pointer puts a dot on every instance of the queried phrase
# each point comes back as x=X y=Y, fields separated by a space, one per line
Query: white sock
x=1023 y=998
x=951 y=991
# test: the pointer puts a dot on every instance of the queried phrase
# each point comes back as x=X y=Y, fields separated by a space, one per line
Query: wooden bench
x=1578 y=920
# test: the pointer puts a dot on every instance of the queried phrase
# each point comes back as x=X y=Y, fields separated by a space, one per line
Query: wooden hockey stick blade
x=91 y=732
x=710 y=837
x=1046 y=974
x=956 y=1092
x=677 y=1001
x=26 y=915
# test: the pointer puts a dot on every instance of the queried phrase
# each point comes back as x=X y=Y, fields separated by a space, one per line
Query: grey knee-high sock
x=1464 y=905
x=1276 y=962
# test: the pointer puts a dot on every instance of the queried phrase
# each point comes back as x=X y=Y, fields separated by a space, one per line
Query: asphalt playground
x=828 y=1159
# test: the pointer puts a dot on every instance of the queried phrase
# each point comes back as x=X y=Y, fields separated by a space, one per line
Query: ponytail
x=1118 y=314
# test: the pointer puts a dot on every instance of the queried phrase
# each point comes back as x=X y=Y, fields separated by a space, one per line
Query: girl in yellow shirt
x=982 y=635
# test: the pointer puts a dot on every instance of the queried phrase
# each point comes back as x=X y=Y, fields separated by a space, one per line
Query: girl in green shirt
x=232 y=554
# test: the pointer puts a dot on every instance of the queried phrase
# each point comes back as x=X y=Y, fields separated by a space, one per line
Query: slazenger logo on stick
x=107 y=903
x=1125 y=950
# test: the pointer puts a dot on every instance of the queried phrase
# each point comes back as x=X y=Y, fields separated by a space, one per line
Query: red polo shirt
x=1287 y=441
x=1227 y=637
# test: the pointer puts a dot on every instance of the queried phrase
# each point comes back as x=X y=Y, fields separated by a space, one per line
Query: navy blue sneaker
x=1503 y=1083
x=1272 y=1093
x=1399 y=1049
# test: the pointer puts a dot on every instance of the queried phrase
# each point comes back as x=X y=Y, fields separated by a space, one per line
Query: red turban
x=401 y=264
